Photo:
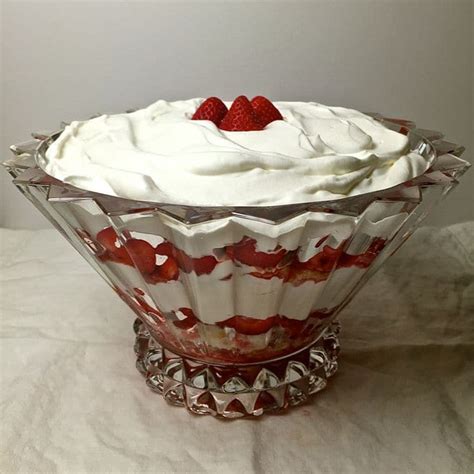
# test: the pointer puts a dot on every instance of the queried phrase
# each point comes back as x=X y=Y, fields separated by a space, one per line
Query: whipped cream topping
x=159 y=154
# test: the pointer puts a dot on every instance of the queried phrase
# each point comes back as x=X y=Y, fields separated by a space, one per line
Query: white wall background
x=69 y=60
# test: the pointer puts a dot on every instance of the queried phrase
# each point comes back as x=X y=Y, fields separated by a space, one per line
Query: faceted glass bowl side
x=237 y=305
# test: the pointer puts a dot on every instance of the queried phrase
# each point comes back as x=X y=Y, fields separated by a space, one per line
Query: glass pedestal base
x=233 y=391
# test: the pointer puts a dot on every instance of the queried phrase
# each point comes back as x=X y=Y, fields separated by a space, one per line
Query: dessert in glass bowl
x=236 y=232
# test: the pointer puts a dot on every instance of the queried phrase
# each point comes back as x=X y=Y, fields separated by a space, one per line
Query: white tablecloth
x=402 y=401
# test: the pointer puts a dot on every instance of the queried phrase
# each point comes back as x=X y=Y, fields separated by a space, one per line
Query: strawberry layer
x=214 y=300
x=237 y=339
x=241 y=280
x=164 y=262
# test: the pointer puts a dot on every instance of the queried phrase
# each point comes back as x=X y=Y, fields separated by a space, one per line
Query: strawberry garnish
x=265 y=110
x=212 y=109
x=241 y=117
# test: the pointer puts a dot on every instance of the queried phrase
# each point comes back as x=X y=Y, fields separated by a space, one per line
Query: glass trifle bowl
x=236 y=307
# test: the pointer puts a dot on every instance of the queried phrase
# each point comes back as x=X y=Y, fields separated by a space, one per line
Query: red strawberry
x=165 y=248
x=347 y=260
x=212 y=109
x=189 y=321
x=164 y=273
x=142 y=253
x=201 y=265
x=110 y=241
x=265 y=110
x=246 y=253
x=169 y=269
x=249 y=326
x=204 y=265
x=365 y=260
x=293 y=327
x=241 y=117
x=325 y=260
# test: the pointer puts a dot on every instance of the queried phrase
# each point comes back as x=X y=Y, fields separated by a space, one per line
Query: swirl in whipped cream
x=159 y=154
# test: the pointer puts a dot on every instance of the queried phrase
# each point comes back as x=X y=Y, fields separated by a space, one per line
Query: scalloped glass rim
x=443 y=157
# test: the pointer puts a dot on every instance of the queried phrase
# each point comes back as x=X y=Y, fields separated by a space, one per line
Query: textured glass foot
x=233 y=391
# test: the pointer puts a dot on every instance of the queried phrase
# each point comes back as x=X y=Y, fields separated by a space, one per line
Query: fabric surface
x=402 y=401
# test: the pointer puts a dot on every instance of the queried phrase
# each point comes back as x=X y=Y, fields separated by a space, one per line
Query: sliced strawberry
x=201 y=266
x=229 y=251
x=165 y=248
x=142 y=253
x=169 y=270
x=241 y=117
x=204 y=265
x=293 y=327
x=185 y=262
x=112 y=244
x=249 y=326
x=364 y=260
x=189 y=321
x=212 y=109
x=377 y=245
x=347 y=260
x=265 y=110
x=246 y=253
x=109 y=239
x=325 y=260
x=165 y=272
